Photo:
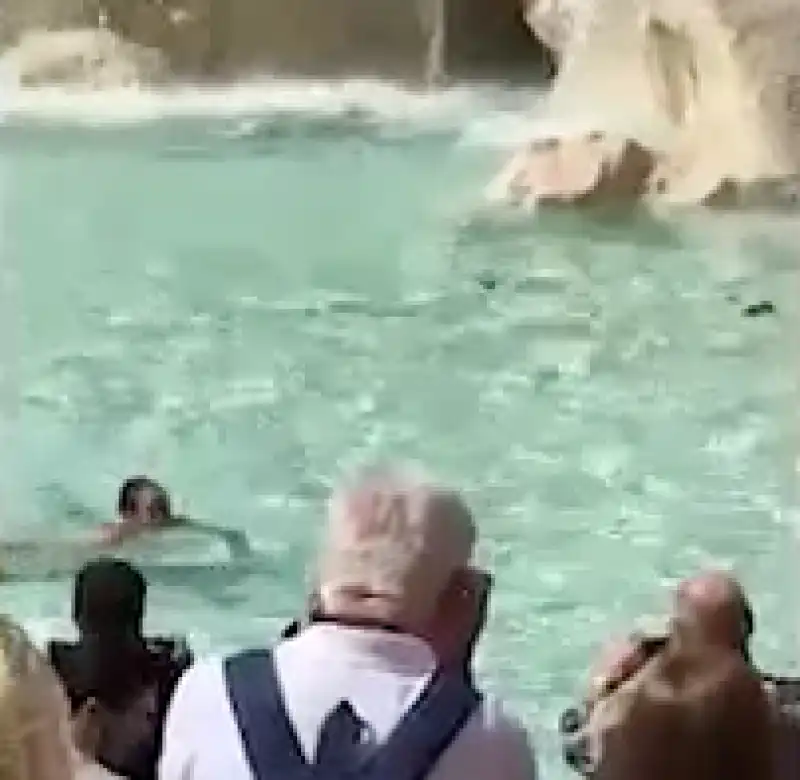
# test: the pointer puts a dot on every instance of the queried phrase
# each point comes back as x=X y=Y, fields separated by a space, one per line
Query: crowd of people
x=374 y=680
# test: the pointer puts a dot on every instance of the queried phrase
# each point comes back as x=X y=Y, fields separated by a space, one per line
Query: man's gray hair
x=394 y=535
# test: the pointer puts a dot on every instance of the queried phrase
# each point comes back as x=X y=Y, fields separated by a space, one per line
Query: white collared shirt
x=381 y=674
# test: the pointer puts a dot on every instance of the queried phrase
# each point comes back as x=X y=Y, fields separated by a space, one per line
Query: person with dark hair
x=109 y=599
x=143 y=510
x=144 y=498
x=144 y=507
x=121 y=678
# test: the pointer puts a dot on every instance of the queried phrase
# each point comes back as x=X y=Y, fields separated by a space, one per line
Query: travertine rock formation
x=93 y=58
x=712 y=87
x=16 y=18
x=554 y=21
x=584 y=170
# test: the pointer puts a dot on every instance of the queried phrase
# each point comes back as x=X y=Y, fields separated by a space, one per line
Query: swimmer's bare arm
x=237 y=541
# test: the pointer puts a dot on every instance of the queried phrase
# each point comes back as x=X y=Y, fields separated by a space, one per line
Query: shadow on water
x=640 y=227
x=749 y=260
x=217 y=584
x=226 y=138
x=512 y=237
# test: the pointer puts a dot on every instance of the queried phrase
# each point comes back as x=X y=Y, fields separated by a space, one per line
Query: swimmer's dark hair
x=133 y=486
x=109 y=597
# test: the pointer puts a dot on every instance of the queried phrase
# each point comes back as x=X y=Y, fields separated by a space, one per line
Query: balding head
x=393 y=543
x=713 y=605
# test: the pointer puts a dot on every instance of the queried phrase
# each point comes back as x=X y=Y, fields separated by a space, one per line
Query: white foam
x=505 y=129
x=244 y=99
x=490 y=110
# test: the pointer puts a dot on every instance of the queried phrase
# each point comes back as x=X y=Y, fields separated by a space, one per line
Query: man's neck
x=386 y=648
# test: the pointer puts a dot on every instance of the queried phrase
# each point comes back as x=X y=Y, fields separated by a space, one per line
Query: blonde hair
x=35 y=736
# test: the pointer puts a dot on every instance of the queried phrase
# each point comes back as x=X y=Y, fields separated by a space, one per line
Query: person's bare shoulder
x=109 y=535
x=744 y=718
x=741 y=683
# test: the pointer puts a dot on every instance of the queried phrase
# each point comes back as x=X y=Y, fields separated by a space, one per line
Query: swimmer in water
x=144 y=508
x=143 y=511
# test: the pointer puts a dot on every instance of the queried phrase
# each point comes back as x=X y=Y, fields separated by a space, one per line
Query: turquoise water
x=249 y=294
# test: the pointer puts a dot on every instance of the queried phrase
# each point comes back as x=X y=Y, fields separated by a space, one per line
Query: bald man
x=696 y=710
x=623 y=660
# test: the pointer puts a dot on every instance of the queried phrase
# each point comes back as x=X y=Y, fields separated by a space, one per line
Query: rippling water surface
x=248 y=295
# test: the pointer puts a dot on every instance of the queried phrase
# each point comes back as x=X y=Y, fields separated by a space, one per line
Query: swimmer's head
x=109 y=598
x=142 y=501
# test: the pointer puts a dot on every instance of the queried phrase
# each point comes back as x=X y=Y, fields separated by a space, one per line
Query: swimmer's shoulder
x=108 y=535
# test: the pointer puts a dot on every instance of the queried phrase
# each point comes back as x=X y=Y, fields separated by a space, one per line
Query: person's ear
x=461 y=617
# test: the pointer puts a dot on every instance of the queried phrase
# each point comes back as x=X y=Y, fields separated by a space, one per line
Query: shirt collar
x=384 y=649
